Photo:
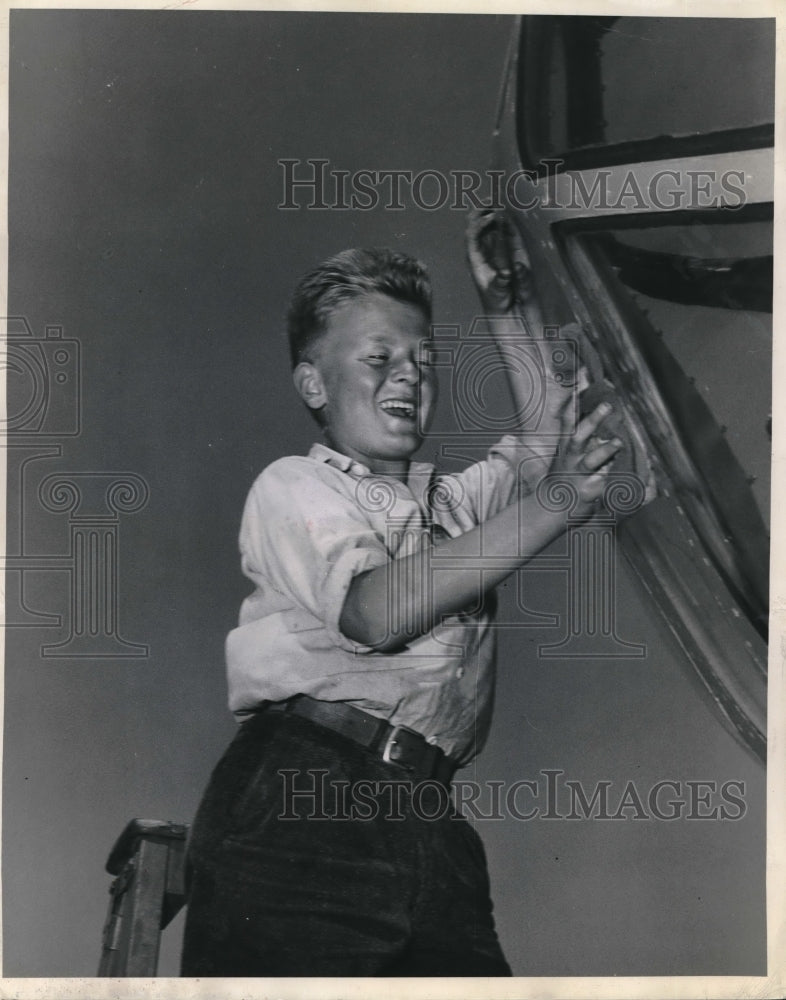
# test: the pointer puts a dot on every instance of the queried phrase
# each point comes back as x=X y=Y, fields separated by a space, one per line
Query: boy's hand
x=586 y=458
x=499 y=262
x=562 y=388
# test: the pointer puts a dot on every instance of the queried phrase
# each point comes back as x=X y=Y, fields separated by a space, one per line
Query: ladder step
x=148 y=861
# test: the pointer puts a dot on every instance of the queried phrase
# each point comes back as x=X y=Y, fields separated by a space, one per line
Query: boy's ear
x=309 y=385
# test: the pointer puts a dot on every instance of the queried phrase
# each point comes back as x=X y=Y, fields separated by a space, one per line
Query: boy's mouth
x=402 y=408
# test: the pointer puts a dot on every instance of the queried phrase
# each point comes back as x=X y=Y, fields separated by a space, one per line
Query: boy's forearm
x=379 y=605
x=376 y=601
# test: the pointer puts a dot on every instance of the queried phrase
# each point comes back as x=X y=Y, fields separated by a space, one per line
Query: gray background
x=143 y=219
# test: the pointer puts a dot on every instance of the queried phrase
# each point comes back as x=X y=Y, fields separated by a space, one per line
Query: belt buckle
x=393 y=740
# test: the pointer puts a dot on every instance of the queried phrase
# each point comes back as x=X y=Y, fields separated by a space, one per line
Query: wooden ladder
x=148 y=862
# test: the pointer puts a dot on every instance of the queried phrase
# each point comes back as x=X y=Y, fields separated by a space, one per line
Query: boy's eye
x=377 y=358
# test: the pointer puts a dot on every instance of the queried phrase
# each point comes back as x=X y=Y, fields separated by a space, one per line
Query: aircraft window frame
x=537 y=35
x=724 y=514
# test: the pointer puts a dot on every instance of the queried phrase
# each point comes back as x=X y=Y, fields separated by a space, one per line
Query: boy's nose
x=405 y=372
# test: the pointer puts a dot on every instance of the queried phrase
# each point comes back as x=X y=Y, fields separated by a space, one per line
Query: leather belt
x=394 y=744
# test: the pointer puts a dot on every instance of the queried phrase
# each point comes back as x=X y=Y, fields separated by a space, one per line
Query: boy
x=326 y=844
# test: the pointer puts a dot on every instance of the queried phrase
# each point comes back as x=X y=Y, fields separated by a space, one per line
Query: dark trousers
x=341 y=866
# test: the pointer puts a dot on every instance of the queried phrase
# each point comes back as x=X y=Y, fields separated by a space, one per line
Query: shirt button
x=460 y=672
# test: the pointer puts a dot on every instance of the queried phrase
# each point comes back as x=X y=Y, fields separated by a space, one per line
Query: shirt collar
x=321 y=452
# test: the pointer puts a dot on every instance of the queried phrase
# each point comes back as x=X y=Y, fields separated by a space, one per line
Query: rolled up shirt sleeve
x=528 y=460
x=306 y=538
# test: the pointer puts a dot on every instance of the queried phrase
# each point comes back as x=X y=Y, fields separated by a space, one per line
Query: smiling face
x=368 y=379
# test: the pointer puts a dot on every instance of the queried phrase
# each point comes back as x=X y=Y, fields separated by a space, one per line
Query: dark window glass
x=683 y=312
x=606 y=81
x=705 y=289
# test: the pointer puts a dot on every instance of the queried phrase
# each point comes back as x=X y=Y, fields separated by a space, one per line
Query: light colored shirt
x=313 y=523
